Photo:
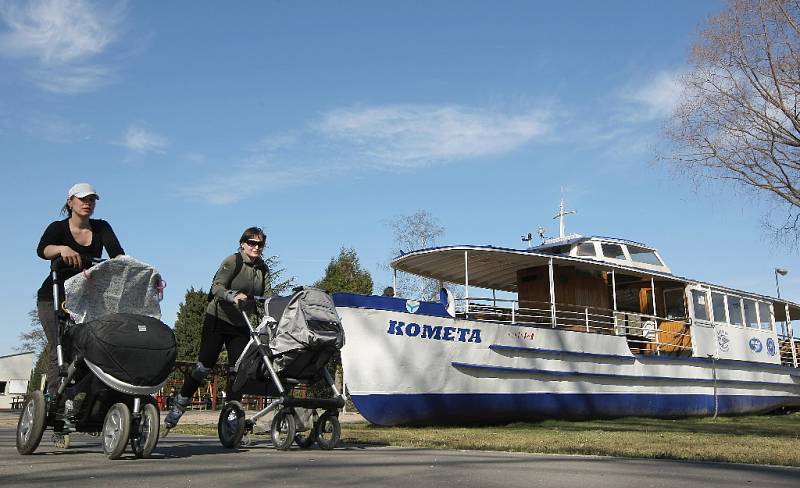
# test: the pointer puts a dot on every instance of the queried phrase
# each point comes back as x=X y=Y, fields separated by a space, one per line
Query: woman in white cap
x=76 y=236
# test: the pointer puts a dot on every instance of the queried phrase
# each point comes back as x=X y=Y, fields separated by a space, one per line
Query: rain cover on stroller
x=308 y=331
x=122 y=284
x=118 y=332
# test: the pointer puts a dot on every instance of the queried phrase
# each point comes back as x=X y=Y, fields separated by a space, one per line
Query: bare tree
x=32 y=339
x=419 y=230
x=738 y=119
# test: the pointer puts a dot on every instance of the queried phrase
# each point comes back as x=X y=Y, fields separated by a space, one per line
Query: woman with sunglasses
x=77 y=235
x=242 y=275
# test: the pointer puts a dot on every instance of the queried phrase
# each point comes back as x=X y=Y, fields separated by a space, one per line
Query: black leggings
x=216 y=333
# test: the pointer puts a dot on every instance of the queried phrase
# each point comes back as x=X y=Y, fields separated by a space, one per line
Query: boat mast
x=561 y=214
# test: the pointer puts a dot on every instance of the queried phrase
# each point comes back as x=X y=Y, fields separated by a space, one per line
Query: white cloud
x=655 y=99
x=54 y=128
x=71 y=80
x=354 y=141
x=417 y=135
x=141 y=140
x=253 y=177
x=61 y=38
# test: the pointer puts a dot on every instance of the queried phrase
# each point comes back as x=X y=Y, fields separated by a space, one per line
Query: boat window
x=673 y=303
x=765 y=315
x=613 y=251
x=735 y=310
x=718 y=302
x=699 y=305
x=586 y=249
x=561 y=250
x=750 y=317
x=642 y=255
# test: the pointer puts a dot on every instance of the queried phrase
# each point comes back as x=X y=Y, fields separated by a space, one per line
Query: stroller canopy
x=306 y=320
x=302 y=332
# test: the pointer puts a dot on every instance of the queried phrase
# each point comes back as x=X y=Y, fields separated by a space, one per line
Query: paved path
x=188 y=461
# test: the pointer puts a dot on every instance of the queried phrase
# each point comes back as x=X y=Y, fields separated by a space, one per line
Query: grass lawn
x=763 y=439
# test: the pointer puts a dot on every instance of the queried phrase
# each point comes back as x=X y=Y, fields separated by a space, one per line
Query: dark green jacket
x=252 y=280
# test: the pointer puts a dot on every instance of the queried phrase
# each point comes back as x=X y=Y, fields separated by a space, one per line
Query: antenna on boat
x=528 y=239
x=560 y=215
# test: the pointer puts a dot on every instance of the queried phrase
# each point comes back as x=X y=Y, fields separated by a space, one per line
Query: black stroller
x=292 y=346
x=113 y=354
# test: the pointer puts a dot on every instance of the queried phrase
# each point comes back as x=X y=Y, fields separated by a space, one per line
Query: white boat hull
x=428 y=368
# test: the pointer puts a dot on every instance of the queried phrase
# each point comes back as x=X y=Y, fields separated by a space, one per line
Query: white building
x=15 y=372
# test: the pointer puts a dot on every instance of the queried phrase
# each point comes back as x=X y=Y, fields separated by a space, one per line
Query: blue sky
x=322 y=120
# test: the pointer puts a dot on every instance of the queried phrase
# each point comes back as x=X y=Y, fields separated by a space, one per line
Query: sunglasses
x=254 y=243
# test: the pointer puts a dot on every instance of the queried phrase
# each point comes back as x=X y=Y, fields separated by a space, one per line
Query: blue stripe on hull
x=465 y=408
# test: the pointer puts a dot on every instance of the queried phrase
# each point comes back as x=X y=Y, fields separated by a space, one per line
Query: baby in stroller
x=113 y=354
x=292 y=346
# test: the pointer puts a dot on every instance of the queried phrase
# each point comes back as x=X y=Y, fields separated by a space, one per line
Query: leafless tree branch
x=739 y=117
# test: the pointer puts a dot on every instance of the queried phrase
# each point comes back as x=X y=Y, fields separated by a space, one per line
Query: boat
x=577 y=327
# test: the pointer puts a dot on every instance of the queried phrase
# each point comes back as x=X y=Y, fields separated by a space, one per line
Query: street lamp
x=782 y=272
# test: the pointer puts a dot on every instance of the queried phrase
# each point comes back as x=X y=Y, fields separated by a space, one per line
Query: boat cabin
x=603 y=285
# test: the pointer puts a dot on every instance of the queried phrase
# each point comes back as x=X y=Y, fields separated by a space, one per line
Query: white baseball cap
x=81 y=190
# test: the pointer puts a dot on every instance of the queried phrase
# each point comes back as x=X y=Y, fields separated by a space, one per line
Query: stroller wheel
x=329 y=430
x=116 y=430
x=145 y=435
x=230 y=427
x=283 y=429
x=31 y=424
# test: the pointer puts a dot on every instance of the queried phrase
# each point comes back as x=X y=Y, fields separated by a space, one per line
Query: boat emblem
x=770 y=347
x=723 y=341
x=412 y=306
x=755 y=345
x=142 y=328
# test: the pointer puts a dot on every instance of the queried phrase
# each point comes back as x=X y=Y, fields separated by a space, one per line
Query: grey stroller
x=292 y=346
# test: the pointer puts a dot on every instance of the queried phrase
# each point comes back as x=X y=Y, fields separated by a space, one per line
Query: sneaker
x=175 y=413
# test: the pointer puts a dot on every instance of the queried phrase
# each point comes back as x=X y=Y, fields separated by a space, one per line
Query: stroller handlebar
x=58 y=264
x=242 y=304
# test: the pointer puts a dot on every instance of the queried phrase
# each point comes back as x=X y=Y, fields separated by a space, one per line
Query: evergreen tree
x=277 y=284
x=344 y=273
x=39 y=370
x=189 y=324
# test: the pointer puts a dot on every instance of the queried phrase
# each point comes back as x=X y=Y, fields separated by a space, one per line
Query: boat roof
x=496 y=268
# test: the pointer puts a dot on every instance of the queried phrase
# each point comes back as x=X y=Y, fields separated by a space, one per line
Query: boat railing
x=646 y=334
